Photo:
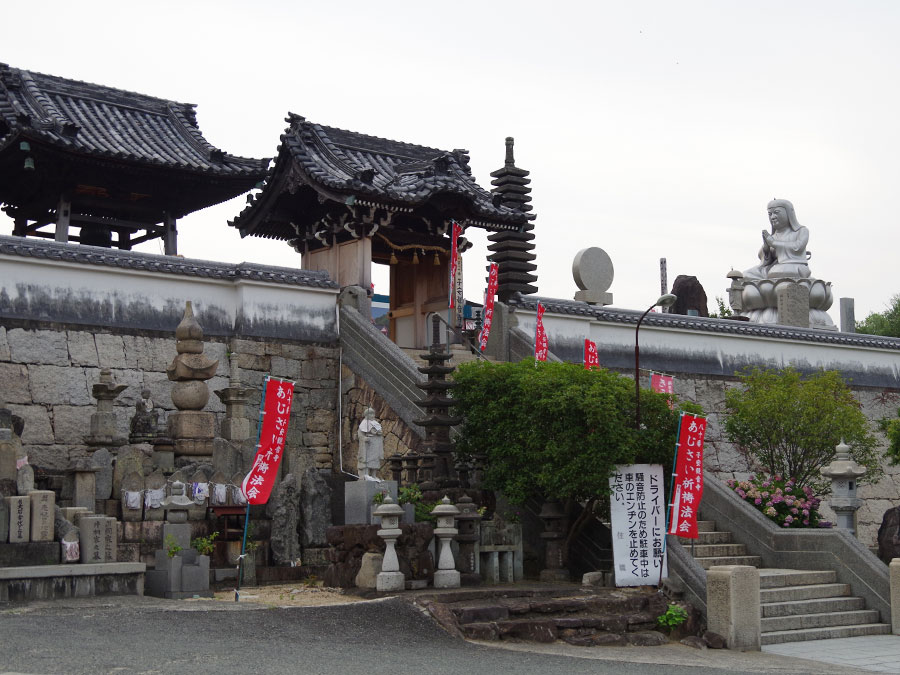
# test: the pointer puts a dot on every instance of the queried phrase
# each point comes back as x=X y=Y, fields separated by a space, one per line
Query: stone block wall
x=724 y=461
x=47 y=375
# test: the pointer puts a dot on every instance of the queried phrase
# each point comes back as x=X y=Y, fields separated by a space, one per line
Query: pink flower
x=757 y=501
x=788 y=488
x=794 y=511
x=741 y=493
x=806 y=522
x=789 y=520
x=806 y=512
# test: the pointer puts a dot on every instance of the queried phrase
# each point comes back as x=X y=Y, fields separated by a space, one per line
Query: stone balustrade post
x=895 y=596
x=732 y=605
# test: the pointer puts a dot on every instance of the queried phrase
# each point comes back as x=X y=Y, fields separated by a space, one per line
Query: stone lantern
x=446 y=575
x=554 y=534
x=844 y=474
x=390 y=578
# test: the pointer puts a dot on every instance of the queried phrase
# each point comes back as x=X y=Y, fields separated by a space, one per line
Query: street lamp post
x=666 y=300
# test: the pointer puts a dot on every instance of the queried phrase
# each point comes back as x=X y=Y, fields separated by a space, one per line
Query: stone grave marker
x=25 y=479
x=70 y=513
x=7 y=447
x=19 y=519
x=84 y=477
x=237 y=497
x=218 y=489
x=4 y=520
x=101 y=460
x=284 y=510
x=129 y=459
x=132 y=497
x=200 y=494
x=70 y=549
x=93 y=544
x=43 y=504
x=154 y=493
x=315 y=505
x=110 y=539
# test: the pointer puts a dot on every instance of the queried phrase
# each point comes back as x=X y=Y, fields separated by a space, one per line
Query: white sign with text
x=638 y=517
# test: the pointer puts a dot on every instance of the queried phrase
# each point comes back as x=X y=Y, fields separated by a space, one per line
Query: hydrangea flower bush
x=781 y=500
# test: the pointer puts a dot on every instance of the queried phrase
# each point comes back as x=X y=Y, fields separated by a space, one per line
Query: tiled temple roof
x=102 y=122
x=350 y=167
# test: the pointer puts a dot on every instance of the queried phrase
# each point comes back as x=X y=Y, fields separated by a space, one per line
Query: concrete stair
x=795 y=605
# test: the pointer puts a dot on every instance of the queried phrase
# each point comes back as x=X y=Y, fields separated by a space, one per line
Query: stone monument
x=191 y=428
x=783 y=262
x=593 y=272
x=145 y=421
x=371 y=446
x=103 y=422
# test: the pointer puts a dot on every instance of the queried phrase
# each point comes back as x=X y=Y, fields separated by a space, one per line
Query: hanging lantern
x=393 y=260
x=437 y=259
x=415 y=258
x=29 y=164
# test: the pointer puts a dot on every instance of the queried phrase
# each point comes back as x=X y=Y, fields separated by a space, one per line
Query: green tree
x=885 y=323
x=557 y=430
x=788 y=424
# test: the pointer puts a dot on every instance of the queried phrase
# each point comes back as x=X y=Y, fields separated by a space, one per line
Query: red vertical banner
x=456 y=230
x=591 y=358
x=276 y=415
x=664 y=384
x=540 y=336
x=488 y=313
x=687 y=481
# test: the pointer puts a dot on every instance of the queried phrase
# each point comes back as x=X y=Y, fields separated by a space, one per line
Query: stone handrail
x=685 y=567
x=810 y=549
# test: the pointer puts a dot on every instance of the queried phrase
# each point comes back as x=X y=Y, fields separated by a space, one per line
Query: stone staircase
x=460 y=354
x=545 y=613
x=795 y=605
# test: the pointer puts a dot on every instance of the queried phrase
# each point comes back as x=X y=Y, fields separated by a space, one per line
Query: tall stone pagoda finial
x=192 y=429
x=512 y=250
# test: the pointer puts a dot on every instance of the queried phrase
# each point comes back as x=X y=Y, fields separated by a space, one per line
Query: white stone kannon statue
x=371 y=446
x=783 y=259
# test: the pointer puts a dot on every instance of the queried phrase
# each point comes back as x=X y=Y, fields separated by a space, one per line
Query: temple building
x=119 y=167
x=345 y=200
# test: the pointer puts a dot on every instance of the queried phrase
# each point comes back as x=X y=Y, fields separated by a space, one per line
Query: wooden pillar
x=170 y=236
x=20 y=227
x=63 y=215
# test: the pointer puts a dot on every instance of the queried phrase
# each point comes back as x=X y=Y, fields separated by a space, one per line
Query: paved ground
x=147 y=635
x=875 y=653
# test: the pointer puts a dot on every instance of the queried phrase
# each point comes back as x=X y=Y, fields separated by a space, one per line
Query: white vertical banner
x=638 y=517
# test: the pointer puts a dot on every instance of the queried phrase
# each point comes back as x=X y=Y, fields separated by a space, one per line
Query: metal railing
x=461 y=337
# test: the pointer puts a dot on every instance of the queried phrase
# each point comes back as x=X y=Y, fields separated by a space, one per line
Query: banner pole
x=671 y=491
x=262 y=403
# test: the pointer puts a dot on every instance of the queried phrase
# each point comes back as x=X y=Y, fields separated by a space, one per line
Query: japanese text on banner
x=664 y=384
x=540 y=336
x=258 y=484
x=488 y=316
x=591 y=358
x=688 y=479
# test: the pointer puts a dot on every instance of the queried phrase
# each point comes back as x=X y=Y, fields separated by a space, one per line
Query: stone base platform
x=30 y=553
x=50 y=582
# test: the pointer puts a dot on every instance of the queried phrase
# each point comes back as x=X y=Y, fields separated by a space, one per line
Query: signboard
x=454 y=261
x=277 y=397
x=687 y=481
x=638 y=518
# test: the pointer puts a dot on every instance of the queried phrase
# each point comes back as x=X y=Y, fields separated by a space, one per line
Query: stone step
x=780 y=637
x=818 y=606
x=777 y=578
x=752 y=560
x=708 y=538
x=810 y=592
x=718 y=550
x=823 y=620
x=706 y=526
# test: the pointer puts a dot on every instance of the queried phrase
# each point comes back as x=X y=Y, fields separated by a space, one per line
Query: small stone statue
x=371 y=446
x=146 y=418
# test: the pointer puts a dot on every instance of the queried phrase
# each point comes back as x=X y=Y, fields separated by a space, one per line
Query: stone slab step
x=780 y=637
x=794 y=593
x=752 y=560
x=802 y=621
x=706 y=526
x=718 y=550
x=778 y=578
x=708 y=538
x=818 y=606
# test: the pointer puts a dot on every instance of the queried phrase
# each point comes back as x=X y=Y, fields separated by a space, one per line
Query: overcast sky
x=651 y=129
